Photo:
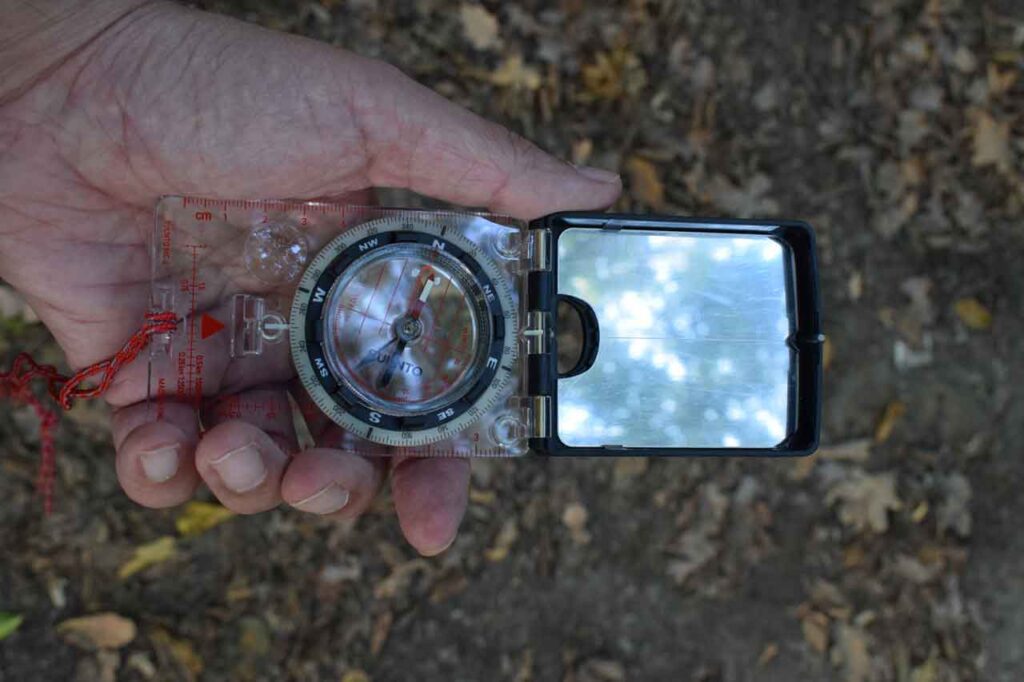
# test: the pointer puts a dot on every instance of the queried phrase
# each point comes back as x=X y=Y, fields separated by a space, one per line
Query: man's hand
x=103 y=111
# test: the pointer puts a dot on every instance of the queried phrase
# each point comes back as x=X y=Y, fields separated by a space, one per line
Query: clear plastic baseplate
x=229 y=270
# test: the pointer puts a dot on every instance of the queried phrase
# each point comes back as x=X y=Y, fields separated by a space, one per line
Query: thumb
x=418 y=140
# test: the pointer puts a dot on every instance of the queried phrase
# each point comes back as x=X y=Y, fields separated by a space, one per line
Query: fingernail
x=598 y=174
x=160 y=464
x=328 y=500
x=241 y=470
x=435 y=552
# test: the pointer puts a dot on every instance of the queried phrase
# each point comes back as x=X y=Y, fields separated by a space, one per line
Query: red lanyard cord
x=16 y=385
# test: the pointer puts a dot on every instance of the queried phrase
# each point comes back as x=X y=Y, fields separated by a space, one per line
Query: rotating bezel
x=343 y=405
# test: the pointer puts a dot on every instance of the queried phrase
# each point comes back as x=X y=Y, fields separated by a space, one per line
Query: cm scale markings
x=402 y=380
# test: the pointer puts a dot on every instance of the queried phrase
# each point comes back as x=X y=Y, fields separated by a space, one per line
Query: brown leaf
x=894 y=411
x=381 y=628
x=865 y=500
x=644 y=182
x=479 y=26
x=98 y=631
x=503 y=542
x=815 y=628
x=768 y=654
x=973 y=314
x=851 y=451
x=613 y=75
x=851 y=652
x=601 y=670
x=628 y=468
x=575 y=519
x=991 y=142
x=181 y=650
x=447 y=587
x=582 y=150
x=514 y=73
x=399 y=579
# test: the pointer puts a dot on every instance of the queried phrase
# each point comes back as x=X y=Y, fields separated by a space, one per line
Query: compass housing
x=403 y=329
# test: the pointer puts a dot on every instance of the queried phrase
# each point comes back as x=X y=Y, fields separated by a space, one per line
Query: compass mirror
x=695 y=338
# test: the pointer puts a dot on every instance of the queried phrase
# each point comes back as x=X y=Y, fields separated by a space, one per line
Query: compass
x=403 y=329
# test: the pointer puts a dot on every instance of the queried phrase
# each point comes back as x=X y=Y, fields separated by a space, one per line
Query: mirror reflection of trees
x=693 y=331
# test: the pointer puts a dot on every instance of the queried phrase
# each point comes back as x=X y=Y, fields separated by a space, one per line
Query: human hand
x=164 y=100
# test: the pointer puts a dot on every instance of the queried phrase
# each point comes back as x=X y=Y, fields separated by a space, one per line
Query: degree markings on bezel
x=503 y=327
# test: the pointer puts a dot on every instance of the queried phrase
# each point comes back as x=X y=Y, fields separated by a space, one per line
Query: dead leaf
x=894 y=411
x=645 y=185
x=803 y=466
x=381 y=628
x=102 y=666
x=1001 y=80
x=815 y=626
x=199 y=517
x=181 y=650
x=152 y=553
x=514 y=73
x=865 y=500
x=479 y=26
x=768 y=654
x=503 y=542
x=355 y=676
x=613 y=75
x=601 y=670
x=447 y=587
x=973 y=314
x=400 y=578
x=991 y=142
x=525 y=672
x=912 y=569
x=98 y=631
x=851 y=653
x=9 y=622
x=575 y=519
x=628 y=468
x=858 y=450
x=582 y=150
x=828 y=353
x=484 y=497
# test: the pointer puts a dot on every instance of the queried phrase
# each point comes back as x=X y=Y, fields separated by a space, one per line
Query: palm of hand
x=169 y=101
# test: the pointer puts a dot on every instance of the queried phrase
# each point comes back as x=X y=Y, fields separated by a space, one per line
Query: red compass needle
x=410 y=319
x=429 y=283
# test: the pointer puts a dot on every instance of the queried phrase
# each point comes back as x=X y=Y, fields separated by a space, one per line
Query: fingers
x=332 y=483
x=155 y=458
x=242 y=465
x=417 y=139
x=430 y=498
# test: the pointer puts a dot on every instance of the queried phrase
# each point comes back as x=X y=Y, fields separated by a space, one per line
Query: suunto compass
x=403 y=330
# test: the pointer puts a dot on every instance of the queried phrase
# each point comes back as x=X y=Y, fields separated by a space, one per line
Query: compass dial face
x=402 y=331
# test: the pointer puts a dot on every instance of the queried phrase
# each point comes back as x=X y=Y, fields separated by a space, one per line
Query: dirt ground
x=896 y=127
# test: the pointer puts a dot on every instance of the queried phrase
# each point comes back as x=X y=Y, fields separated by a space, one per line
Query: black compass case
x=688 y=337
